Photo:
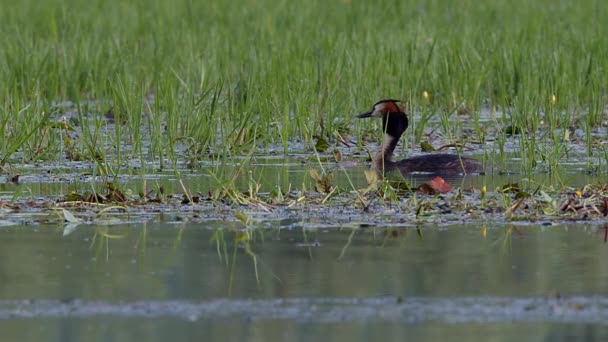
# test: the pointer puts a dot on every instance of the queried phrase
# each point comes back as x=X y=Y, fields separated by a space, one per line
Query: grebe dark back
x=394 y=123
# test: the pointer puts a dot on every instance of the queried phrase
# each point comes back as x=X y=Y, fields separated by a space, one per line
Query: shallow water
x=313 y=272
x=167 y=280
x=270 y=175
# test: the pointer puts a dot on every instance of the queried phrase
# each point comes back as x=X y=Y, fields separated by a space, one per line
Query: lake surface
x=313 y=271
x=186 y=281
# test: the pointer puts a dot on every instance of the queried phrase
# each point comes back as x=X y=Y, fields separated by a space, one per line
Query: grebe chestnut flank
x=394 y=123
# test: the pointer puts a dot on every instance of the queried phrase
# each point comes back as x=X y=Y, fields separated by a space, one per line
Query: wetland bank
x=172 y=166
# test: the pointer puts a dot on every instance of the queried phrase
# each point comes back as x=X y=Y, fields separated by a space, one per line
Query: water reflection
x=272 y=175
x=196 y=264
x=198 y=261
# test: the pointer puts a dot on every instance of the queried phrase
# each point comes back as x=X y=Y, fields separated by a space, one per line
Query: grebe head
x=394 y=120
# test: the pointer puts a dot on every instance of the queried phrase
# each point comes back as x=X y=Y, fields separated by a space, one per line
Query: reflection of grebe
x=394 y=123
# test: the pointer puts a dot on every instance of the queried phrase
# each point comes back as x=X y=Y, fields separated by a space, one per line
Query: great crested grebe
x=394 y=123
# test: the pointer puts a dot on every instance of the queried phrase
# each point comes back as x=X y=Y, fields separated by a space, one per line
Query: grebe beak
x=365 y=115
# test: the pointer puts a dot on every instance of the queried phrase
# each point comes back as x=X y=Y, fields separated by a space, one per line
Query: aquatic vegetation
x=179 y=88
x=377 y=201
x=182 y=80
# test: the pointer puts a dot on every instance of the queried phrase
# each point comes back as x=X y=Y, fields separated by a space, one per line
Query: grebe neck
x=384 y=157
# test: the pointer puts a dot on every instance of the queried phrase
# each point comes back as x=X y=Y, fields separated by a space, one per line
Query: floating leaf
x=426 y=189
x=509 y=187
x=427 y=147
x=74 y=196
x=338 y=155
x=322 y=182
x=277 y=196
x=314 y=174
x=522 y=194
x=400 y=185
x=322 y=145
x=546 y=198
x=69 y=217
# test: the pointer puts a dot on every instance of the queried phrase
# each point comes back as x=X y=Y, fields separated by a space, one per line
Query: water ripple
x=584 y=309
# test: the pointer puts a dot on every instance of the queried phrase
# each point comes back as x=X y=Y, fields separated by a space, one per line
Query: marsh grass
x=185 y=78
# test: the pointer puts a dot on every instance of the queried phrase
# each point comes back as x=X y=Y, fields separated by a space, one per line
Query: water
x=314 y=271
x=270 y=173
x=166 y=280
